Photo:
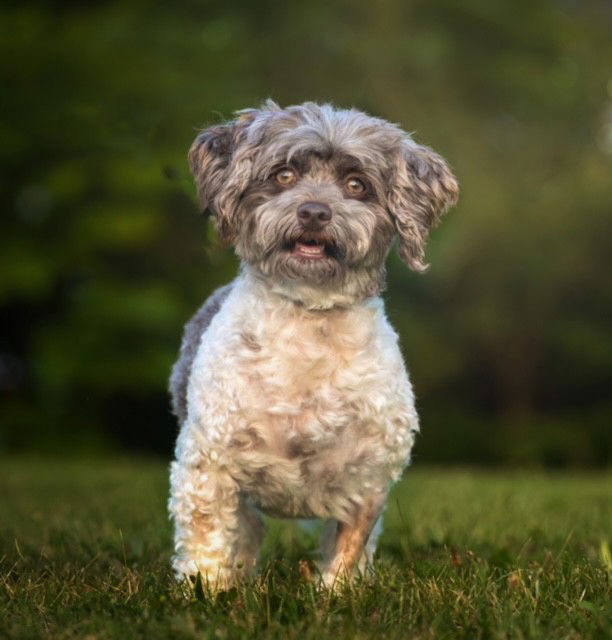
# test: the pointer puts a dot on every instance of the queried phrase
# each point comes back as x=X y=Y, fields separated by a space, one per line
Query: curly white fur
x=291 y=388
x=272 y=381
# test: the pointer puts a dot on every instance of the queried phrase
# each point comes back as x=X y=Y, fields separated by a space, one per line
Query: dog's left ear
x=423 y=189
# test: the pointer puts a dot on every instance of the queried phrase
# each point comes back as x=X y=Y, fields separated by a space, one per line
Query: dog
x=290 y=388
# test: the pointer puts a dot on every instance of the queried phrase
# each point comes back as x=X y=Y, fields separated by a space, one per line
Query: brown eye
x=355 y=187
x=286 y=177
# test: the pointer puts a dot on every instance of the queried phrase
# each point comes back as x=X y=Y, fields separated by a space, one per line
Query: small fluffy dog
x=290 y=387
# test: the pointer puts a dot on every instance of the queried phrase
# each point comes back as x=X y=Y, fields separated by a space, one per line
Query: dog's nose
x=314 y=213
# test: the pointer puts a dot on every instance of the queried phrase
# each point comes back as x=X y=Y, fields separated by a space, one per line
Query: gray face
x=315 y=218
x=315 y=195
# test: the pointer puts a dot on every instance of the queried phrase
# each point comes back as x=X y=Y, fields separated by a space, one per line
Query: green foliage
x=85 y=547
x=102 y=257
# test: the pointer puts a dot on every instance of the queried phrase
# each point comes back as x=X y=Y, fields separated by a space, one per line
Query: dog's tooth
x=314 y=250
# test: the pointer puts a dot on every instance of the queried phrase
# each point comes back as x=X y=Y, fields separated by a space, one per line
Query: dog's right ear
x=221 y=166
x=209 y=157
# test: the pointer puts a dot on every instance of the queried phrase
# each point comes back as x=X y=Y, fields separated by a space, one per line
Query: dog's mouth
x=313 y=246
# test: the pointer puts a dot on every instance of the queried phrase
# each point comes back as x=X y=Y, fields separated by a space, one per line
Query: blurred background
x=103 y=255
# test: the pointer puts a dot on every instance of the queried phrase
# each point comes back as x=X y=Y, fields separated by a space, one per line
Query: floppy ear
x=423 y=189
x=220 y=162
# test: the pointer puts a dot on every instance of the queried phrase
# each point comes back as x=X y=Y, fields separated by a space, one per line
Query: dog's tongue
x=310 y=250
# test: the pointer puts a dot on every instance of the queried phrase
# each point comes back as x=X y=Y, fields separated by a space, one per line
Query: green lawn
x=84 y=551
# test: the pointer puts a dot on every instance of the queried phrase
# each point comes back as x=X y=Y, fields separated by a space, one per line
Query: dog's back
x=192 y=335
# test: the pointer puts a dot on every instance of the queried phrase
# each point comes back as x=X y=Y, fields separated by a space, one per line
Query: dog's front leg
x=217 y=534
x=348 y=545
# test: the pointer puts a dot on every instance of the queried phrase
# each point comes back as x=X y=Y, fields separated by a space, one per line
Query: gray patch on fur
x=192 y=335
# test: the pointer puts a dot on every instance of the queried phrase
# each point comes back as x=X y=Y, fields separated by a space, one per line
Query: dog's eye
x=355 y=186
x=286 y=177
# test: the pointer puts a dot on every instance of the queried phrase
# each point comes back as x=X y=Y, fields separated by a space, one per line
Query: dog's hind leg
x=251 y=534
x=366 y=560
x=348 y=546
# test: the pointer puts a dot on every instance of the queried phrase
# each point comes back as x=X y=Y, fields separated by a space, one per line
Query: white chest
x=303 y=406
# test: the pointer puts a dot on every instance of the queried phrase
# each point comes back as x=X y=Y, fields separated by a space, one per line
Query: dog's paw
x=203 y=576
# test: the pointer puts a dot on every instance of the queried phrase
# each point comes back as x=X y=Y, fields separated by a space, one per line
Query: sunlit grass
x=466 y=554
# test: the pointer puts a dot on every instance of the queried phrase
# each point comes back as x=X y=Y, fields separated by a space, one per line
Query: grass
x=84 y=550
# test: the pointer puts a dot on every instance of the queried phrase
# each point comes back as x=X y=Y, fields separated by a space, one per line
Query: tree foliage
x=103 y=256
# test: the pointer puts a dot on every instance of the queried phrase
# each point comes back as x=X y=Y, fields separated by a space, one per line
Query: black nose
x=314 y=214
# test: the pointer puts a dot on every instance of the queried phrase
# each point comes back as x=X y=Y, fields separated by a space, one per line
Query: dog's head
x=313 y=195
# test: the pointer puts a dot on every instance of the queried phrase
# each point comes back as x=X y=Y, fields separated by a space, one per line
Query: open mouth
x=313 y=247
